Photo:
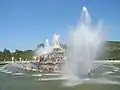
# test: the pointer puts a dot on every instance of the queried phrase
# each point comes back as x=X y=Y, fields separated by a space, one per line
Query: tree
x=42 y=45
x=17 y=54
x=1 y=56
x=28 y=54
x=6 y=54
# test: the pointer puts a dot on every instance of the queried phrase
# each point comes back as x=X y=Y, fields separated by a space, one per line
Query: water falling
x=84 y=46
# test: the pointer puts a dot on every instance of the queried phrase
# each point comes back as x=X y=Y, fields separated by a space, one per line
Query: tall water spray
x=84 y=46
x=47 y=48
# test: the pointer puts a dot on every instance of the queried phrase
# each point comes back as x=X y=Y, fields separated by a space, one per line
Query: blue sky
x=26 y=23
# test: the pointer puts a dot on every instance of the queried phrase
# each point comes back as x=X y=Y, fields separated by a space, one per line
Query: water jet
x=83 y=48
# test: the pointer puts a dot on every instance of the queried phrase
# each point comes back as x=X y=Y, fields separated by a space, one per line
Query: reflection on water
x=103 y=78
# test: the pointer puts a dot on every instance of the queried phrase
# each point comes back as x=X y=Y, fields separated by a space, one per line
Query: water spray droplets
x=85 y=17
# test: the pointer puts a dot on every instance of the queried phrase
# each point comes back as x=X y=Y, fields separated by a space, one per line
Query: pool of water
x=106 y=77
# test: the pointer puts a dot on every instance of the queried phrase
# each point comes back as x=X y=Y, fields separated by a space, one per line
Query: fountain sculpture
x=85 y=44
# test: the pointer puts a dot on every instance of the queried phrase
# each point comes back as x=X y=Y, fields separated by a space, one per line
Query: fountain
x=84 y=46
x=44 y=50
x=56 y=41
x=51 y=57
x=47 y=48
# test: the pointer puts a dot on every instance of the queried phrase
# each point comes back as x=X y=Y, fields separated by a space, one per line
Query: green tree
x=28 y=54
x=41 y=45
x=1 y=56
x=6 y=54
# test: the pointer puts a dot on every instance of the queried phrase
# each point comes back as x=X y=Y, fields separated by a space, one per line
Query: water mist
x=44 y=50
x=83 y=48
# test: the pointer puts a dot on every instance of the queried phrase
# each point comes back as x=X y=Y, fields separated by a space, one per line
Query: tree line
x=111 y=50
x=6 y=54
